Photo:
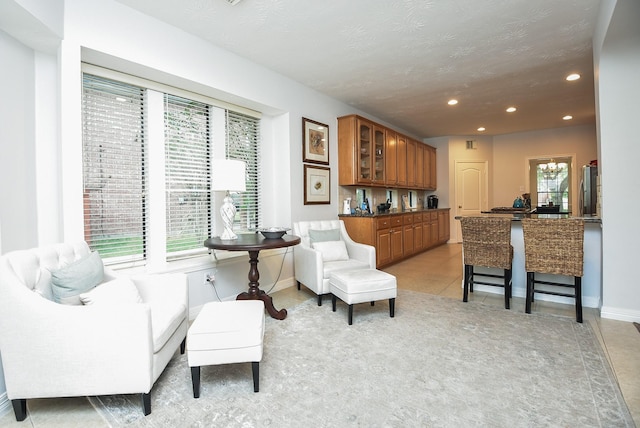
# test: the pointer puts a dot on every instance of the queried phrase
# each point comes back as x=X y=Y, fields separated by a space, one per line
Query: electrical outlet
x=209 y=277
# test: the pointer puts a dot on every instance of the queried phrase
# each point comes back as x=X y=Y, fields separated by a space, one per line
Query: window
x=552 y=178
x=132 y=131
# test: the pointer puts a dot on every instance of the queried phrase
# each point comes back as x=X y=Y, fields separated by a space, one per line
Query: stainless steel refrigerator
x=588 y=190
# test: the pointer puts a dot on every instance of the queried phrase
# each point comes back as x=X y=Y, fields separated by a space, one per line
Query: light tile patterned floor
x=438 y=271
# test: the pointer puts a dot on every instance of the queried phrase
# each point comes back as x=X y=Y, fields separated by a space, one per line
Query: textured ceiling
x=401 y=60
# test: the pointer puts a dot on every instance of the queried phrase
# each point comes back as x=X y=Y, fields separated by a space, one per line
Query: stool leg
x=578 y=285
x=465 y=293
x=350 y=314
x=333 y=302
x=298 y=284
x=392 y=307
x=373 y=303
x=507 y=288
x=195 y=381
x=471 y=278
x=527 y=306
x=255 y=369
x=183 y=345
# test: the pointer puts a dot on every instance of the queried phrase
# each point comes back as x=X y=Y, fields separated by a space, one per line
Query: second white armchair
x=325 y=247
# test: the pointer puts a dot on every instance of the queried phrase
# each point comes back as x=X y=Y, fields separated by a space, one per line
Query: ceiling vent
x=233 y=2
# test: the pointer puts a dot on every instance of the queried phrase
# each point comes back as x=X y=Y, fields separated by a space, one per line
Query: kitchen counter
x=424 y=210
x=518 y=216
x=592 y=271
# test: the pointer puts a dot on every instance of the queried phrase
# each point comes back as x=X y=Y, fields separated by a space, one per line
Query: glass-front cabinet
x=378 y=155
x=365 y=150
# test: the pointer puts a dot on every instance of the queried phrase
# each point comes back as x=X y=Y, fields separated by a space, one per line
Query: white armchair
x=51 y=349
x=313 y=266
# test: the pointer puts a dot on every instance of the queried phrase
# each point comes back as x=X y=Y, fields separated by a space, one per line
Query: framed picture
x=317 y=186
x=315 y=142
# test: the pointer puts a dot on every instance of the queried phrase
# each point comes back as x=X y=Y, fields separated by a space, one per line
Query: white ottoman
x=225 y=333
x=363 y=285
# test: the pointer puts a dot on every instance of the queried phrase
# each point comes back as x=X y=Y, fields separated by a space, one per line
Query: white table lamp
x=228 y=175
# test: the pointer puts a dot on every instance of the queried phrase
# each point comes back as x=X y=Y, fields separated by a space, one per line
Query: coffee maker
x=432 y=202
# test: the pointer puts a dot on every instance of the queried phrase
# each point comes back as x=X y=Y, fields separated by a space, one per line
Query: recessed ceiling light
x=452 y=102
x=482 y=128
x=567 y=117
x=511 y=109
x=574 y=76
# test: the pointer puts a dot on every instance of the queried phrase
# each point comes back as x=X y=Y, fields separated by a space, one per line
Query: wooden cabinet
x=411 y=163
x=390 y=159
x=402 y=159
x=378 y=155
x=443 y=226
x=420 y=173
x=430 y=172
x=373 y=155
x=417 y=233
x=398 y=236
x=356 y=151
x=407 y=234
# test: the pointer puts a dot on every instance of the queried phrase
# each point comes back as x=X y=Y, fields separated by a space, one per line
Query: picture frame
x=315 y=142
x=317 y=185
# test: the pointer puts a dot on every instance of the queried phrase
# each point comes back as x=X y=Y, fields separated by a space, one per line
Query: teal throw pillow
x=78 y=277
x=324 y=235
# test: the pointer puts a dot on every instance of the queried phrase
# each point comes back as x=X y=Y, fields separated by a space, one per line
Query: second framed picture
x=317 y=185
x=315 y=142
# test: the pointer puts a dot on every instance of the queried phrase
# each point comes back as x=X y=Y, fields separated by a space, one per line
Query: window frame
x=157 y=256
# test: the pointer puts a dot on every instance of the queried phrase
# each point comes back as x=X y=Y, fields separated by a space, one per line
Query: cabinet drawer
x=407 y=219
x=396 y=221
x=433 y=215
x=383 y=223
x=417 y=218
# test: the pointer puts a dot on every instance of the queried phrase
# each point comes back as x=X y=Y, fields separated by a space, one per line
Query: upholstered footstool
x=225 y=333
x=363 y=285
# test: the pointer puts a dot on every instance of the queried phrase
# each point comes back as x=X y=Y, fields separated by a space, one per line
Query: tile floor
x=443 y=268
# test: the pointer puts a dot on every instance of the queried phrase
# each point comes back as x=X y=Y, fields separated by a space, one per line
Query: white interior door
x=471 y=190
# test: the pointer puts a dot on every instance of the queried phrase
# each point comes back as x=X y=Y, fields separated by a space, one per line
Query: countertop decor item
x=273 y=232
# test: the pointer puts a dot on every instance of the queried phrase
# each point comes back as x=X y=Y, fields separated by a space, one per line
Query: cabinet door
x=383 y=247
x=417 y=237
x=402 y=160
x=443 y=226
x=407 y=240
x=396 y=244
x=432 y=169
x=426 y=233
x=378 y=155
x=426 y=173
x=411 y=163
x=420 y=166
x=364 y=152
x=391 y=158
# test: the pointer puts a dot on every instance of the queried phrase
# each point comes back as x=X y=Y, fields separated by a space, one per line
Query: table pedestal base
x=255 y=293
x=268 y=303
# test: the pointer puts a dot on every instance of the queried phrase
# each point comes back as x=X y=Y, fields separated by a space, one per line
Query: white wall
x=617 y=66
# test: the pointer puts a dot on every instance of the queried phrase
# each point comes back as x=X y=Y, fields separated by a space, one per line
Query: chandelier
x=550 y=170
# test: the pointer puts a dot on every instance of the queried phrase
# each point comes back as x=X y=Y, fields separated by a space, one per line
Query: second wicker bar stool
x=486 y=242
x=554 y=246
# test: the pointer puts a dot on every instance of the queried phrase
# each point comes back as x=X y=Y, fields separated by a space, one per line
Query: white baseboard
x=5 y=404
x=619 y=314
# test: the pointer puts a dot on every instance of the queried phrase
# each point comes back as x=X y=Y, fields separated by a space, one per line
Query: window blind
x=243 y=136
x=114 y=185
x=188 y=175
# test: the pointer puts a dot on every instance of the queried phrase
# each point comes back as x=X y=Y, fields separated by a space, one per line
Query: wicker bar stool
x=486 y=241
x=554 y=246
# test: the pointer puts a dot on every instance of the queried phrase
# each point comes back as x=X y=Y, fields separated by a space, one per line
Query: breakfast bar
x=592 y=277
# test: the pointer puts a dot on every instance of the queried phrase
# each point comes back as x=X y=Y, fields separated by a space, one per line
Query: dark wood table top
x=251 y=242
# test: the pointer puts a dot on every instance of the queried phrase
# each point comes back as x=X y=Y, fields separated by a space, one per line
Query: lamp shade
x=228 y=175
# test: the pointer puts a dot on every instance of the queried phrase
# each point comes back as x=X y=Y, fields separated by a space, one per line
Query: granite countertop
x=520 y=215
x=393 y=212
